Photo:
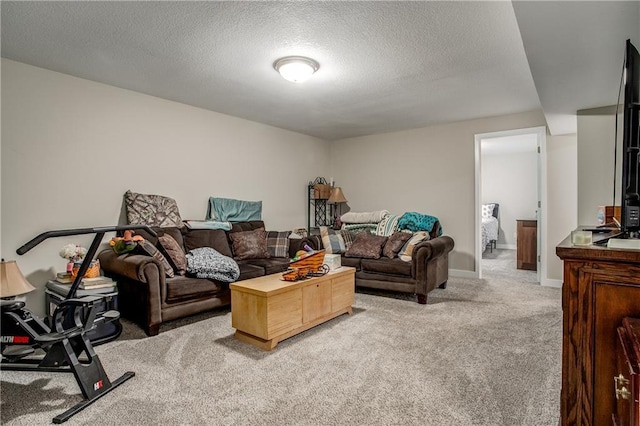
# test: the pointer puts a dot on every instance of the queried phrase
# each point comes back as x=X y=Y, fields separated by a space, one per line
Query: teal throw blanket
x=228 y=209
x=414 y=221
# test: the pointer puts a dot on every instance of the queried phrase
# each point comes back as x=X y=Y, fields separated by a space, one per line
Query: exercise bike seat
x=11 y=305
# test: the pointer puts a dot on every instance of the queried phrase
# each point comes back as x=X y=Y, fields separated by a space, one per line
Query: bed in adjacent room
x=490 y=225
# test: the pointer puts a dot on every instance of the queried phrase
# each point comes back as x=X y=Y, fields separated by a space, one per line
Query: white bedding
x=489 y=230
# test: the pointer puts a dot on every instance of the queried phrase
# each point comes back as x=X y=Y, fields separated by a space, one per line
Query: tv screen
x=630 y=209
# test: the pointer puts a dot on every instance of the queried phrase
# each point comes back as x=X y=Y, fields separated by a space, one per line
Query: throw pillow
x=347 y=237
x=249 y=244
x=331 y=240
x=395 y=243
x=367 y=246
x=147 y=248
x=174 y=252
x=407 y=250
x=278 y=243
x=388 y=225
x=152 y=210
x=487 y=210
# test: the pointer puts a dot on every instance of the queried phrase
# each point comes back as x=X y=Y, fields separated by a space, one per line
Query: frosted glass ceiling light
x=296 y=68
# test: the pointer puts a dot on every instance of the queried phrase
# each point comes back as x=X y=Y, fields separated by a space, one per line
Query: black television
x=630 y=200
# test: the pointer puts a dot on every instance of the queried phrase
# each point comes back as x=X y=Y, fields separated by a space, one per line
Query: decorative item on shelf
x=321 y=189
x=12 y=282
x=337 y=198
x=92 y=272
x=73 y=253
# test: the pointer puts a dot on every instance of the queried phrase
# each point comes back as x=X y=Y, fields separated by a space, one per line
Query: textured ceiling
x=384 y=66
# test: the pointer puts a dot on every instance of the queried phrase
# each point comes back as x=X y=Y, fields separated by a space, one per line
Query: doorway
x=510 y=173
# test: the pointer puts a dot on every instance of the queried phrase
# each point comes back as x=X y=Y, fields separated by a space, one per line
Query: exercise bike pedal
x=14 y=353
x=110 y=315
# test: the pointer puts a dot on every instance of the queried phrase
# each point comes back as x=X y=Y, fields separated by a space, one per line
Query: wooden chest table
x=267 y=310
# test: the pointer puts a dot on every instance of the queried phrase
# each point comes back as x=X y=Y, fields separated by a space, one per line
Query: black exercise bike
x=65 y=343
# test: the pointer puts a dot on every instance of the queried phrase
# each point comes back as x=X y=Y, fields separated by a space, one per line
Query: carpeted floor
x=481 y=352
x=502 y=263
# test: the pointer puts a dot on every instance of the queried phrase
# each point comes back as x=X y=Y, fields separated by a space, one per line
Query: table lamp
x=12 y=282
x=337 y=198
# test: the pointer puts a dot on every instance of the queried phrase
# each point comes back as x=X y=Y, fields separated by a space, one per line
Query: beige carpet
x=481 y=352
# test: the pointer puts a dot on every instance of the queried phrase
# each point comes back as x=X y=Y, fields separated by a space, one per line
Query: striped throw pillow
x=407 y=250
x=278 y=243
x=332 y=240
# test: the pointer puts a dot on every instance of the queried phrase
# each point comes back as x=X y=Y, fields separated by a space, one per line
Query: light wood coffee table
x=267 y=310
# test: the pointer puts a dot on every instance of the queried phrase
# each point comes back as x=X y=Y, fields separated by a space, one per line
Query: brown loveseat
x=428 y=268
x=150 y=298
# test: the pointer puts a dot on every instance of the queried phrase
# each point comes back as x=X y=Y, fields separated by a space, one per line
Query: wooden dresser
x=601 y=287
x=527 y=248
x=627 y=379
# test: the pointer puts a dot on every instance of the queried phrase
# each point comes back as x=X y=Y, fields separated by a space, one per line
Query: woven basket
x=321 y=191
x=92 y=272
x=312 y=261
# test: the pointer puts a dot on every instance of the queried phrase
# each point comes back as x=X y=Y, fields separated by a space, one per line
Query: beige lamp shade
x=336 y=196
x=12 y=282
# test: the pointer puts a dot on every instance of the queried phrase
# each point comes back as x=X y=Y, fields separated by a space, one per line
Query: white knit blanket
x=364 y=217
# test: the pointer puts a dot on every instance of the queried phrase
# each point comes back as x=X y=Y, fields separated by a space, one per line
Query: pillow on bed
x=487 y=210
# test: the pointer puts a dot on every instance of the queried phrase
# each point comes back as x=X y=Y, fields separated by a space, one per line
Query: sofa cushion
x=181 y=288
x=214 y=238
x=353 y=262
x=248 y=271
x=367 y=246
x=387 y=266
x=274 y=265
x=395 y=243
x=407 y=250
x=250 y=244
x=175 y=232
x=152 y=210
x=278 y=243
x=146 y=247
x=246 y=226
x=331 y=240
x=174 y=253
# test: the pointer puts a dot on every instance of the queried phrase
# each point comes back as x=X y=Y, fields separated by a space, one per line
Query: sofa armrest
x=430 y=249
x=132 y=266
x=296 y=244
x=430 y=263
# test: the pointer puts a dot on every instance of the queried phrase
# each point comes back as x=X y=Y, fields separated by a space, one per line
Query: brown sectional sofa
x=148 y=297
x=428 y=268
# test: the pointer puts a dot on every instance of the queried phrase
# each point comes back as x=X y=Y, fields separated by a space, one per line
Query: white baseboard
x=460 y=273
x=548 y=282
x=506 y=246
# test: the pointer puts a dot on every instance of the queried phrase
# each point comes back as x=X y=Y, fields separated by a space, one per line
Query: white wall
x=596 y=147
x=510 y=179
x=562 y=196
x=72 y=147
x=432 y=170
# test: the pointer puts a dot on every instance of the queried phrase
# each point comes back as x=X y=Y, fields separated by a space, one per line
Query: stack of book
x=97 y=282
x=64 y=277
x=86 y=283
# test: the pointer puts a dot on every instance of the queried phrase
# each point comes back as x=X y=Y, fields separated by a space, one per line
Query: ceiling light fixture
x=296 y=68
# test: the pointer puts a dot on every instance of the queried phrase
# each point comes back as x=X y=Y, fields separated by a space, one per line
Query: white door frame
x=541 y=134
